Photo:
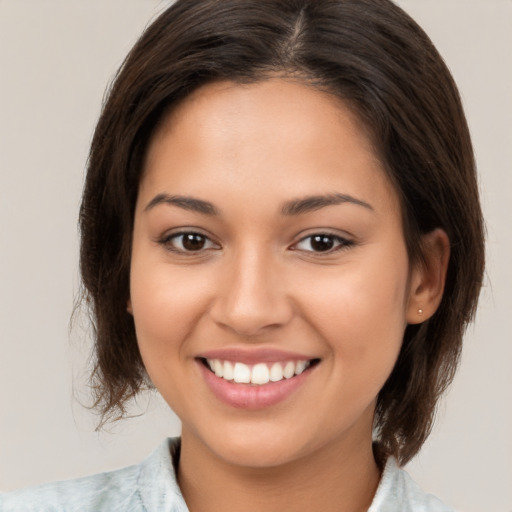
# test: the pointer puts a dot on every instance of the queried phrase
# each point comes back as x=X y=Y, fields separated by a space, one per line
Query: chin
x=259 y=454
x=254 y=446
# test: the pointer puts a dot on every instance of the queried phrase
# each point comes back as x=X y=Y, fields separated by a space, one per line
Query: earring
x=420 y=312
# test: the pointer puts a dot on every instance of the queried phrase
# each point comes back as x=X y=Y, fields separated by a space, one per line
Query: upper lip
x=253 y=356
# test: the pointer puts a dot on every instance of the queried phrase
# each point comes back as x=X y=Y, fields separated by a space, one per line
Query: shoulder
x=131 y=488
x=105 y=491
x=398 y=491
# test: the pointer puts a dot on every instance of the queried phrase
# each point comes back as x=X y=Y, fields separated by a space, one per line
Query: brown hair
x=378 y=60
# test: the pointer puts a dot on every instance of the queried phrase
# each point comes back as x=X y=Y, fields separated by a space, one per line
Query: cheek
x=166 y=307
x=361 y=314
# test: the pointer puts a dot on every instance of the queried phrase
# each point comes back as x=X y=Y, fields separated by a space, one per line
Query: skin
x=258 y=282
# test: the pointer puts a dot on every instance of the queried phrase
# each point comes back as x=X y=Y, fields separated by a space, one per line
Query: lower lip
x=246 y=396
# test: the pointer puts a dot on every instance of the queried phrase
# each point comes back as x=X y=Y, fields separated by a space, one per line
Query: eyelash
x=167 y=242
x=342 y=243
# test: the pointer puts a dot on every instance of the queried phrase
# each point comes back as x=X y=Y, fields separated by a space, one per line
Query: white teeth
x=301 y=366
x=218 y=368
x=289 y=370
x=259 y=374
x=241 y=373
x=276 y=372
x=228 y=370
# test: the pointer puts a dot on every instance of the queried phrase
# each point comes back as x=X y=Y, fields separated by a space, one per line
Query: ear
x=428 y=277
x=129 y=306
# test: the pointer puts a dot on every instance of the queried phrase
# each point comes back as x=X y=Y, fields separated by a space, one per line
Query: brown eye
x=187 y=242
x=323 y=242
x=193 y=241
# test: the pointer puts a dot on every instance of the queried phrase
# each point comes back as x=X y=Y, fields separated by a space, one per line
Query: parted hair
x=380 y=63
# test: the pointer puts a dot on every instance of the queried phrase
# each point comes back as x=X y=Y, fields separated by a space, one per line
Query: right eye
x=187 y=242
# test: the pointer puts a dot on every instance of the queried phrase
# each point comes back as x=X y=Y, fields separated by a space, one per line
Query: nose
x=252 y=297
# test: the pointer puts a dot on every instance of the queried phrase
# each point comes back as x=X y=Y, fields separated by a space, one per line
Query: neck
x=331 y=479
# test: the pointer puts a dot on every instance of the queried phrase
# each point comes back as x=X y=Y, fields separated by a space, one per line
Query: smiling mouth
x=258 y=374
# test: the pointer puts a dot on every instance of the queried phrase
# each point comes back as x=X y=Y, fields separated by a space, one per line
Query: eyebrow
x=290 y=208
x=185 y=202
x=312 y=203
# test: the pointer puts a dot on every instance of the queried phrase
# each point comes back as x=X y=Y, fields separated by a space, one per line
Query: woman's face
x=270 y=283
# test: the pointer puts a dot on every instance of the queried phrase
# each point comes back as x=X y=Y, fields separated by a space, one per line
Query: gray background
x=55 y=59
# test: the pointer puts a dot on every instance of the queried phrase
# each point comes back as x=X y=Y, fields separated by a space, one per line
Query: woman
x=281 y=232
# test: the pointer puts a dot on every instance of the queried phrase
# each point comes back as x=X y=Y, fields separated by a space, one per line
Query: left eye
x=188 y=242
x=322 y=243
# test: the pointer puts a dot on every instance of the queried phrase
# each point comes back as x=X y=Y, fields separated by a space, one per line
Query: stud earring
x=420 y=312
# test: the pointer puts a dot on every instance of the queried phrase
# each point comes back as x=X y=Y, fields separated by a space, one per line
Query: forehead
x=261 y=134
x=276 y=99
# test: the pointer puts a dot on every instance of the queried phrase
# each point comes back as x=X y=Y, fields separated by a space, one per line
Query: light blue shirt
x=151 y=486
